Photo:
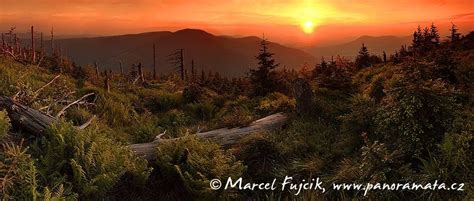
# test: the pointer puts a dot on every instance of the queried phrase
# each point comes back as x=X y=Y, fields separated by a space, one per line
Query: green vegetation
x=405 y=118
x=4 y=124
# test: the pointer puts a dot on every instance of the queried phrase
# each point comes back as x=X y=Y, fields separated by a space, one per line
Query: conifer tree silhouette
x=455 y=36
x=363 y=59
x=434 y=34
x=264 y=78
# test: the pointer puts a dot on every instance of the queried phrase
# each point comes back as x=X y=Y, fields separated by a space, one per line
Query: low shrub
x=163 y=102
x=201 y=111
x=276 y=102
x=144 y=131
x=261 y=156
x=9 y=82
x=86 y=160
x=20 y=179
x=187 y=164
x=4 y=124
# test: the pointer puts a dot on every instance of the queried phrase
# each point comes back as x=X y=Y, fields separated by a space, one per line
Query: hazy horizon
x=289 y=22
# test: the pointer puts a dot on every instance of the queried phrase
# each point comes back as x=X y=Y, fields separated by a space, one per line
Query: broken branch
x=71 y=104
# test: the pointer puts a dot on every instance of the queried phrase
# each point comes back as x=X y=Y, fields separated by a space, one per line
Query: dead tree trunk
x=193 y=74
x=203 y=76
x=42 y=46
x=52 y=41
x=121 y=69
x=17 y=45
x=36 y=123
x=33 y=48
x=106 y=81
x=181 y=67
x=60 y=58
x=224 y=136
x=154 y=62
x=97 y=73
x=111 y=74
x=140 y=72
x=25 y=118
x=186 y=75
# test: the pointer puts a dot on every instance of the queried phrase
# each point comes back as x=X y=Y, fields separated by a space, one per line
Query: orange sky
x=334 y=20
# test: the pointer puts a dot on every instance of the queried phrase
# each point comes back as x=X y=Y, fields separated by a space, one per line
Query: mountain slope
x=228 y=56
x=375 y=44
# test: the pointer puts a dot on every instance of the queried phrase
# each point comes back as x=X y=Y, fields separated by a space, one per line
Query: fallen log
x=26 y=118
x=223 y=136
x=35 y=122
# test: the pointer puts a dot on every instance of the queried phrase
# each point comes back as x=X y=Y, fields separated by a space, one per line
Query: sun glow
x=308 y=27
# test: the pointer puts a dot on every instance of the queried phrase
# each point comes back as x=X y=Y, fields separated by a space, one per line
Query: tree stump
x=304 y=96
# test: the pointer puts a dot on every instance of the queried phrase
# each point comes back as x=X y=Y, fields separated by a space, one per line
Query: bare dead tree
x=60 y=58
x=203 y=76
x=181 y=67
x=17 y=45
x=121 y=69
x=96 y=69
x=42 y=46
x=106 y=81
x=140 y=72
x=11 y=47
x=33 y=48
x=154 y=62
x=177 y=59
x=193 y=72
x=52 y=41
x=111 y=74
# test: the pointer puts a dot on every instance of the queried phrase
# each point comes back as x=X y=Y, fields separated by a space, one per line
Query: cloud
x=230 y=16
x=463 y=15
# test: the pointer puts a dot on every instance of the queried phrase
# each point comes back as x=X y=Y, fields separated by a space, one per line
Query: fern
x=90 y=162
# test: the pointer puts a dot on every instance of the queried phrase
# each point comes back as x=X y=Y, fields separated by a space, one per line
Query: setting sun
x=308 y=27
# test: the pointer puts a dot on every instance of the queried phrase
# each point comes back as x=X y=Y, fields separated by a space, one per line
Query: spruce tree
x=363 y=59
x=455 y=36
x=264 y=78
x=417 y=39
x=434 y=35
x=426 y=35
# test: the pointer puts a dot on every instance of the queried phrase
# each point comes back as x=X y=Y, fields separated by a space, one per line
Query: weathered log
x=223 y=136
x=36 y=123
x=26 y=118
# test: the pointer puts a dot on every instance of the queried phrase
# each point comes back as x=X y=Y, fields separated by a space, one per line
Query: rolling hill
x=375 y=44
x=226 y=55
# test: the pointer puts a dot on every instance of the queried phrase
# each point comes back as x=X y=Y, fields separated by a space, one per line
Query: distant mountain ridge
x=226 y=55
x=375 y=44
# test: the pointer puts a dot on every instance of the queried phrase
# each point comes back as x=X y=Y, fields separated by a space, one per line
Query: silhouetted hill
x=226 y=55
x=375 y=44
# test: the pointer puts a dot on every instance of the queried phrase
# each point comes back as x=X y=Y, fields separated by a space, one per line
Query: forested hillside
x=377 y=45
x=398 y=118
x=229 y=56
